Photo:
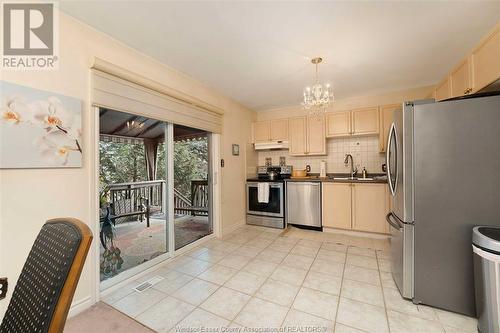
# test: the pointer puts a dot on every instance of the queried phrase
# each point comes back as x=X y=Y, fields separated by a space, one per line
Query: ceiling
x=258 y=53
x=122 y=124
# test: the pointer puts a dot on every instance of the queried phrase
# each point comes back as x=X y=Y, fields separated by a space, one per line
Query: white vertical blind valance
x=121 y=90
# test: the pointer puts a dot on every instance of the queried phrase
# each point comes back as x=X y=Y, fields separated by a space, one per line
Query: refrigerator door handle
x=392 y=135
x=395 y=224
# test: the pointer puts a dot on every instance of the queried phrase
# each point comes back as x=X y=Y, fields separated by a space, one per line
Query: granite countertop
x=376 y=179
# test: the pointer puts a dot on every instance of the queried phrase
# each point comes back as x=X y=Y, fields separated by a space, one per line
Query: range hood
x=271 y=145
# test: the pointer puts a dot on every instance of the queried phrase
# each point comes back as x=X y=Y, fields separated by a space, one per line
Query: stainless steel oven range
x=270 y=213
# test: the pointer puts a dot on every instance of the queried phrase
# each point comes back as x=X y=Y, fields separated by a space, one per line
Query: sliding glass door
x=154 y=194
x=191 y=160
x=133 y=215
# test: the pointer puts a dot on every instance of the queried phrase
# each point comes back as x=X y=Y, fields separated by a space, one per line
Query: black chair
x=45 y=288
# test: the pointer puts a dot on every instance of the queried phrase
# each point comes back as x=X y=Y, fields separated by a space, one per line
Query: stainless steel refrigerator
x=443 y=167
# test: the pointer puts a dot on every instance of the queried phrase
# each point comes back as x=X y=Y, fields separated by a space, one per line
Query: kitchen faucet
x=354 y=171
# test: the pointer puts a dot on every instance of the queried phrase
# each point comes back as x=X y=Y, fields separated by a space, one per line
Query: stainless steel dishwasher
x=303 y=204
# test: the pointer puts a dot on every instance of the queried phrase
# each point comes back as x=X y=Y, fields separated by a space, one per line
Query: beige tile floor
x=268 y=279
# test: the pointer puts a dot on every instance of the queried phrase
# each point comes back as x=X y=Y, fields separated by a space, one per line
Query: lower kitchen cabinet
x=337 y=205
x=355 y=206
x=369 y=207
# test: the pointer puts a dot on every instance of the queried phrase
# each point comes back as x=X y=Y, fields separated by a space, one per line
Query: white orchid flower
x=55 y=147
x=51 y=114
x=75 y=131
x=14 y=110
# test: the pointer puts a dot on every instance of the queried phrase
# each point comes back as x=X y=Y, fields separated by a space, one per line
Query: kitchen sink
x=347 y=178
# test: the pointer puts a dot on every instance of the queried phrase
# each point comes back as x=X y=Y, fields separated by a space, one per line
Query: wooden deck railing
x=181 y=203
x=136 y=199
x=197 y=204
x=199 y=196
x=145 y=198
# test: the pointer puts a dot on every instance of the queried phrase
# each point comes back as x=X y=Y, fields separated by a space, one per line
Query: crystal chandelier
x=319 y=96
x=133 y=124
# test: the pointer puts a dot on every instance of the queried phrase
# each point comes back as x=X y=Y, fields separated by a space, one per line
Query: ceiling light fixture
x=133 y=124
x=319 y=96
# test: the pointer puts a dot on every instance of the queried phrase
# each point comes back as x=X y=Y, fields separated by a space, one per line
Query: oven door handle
x=273 y=185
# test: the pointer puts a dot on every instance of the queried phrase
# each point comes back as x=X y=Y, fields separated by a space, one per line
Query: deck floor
x=138 y=244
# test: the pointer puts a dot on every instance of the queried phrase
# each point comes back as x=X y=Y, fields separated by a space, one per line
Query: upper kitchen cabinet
x=297 y=129
x=365 y=121
x=270 y=130
x=460 y=79
x=307 y=135
x=479 y=69
x=279 y=130
x=486 y=60
x=316 y=138
x=443 y=89
x=262 y=131
x=386 y=115
x=338 y=124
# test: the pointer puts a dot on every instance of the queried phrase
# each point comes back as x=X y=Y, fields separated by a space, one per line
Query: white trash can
x=486 y=248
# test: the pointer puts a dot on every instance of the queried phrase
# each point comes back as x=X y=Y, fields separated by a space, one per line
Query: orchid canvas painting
x=39 y=129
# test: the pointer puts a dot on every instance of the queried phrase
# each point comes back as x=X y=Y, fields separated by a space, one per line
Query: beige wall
x=29 y=197
x=353 y=103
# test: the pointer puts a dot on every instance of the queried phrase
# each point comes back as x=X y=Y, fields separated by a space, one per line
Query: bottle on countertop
x=364 y=172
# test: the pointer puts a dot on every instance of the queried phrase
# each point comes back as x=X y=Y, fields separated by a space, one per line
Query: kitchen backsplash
x=364 y=150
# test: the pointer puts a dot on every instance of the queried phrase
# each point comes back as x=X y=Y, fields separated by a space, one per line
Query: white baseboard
x=80 y=306
x=76 y=307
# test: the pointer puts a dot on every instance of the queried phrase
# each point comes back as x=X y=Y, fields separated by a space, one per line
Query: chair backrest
x=44 y=291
